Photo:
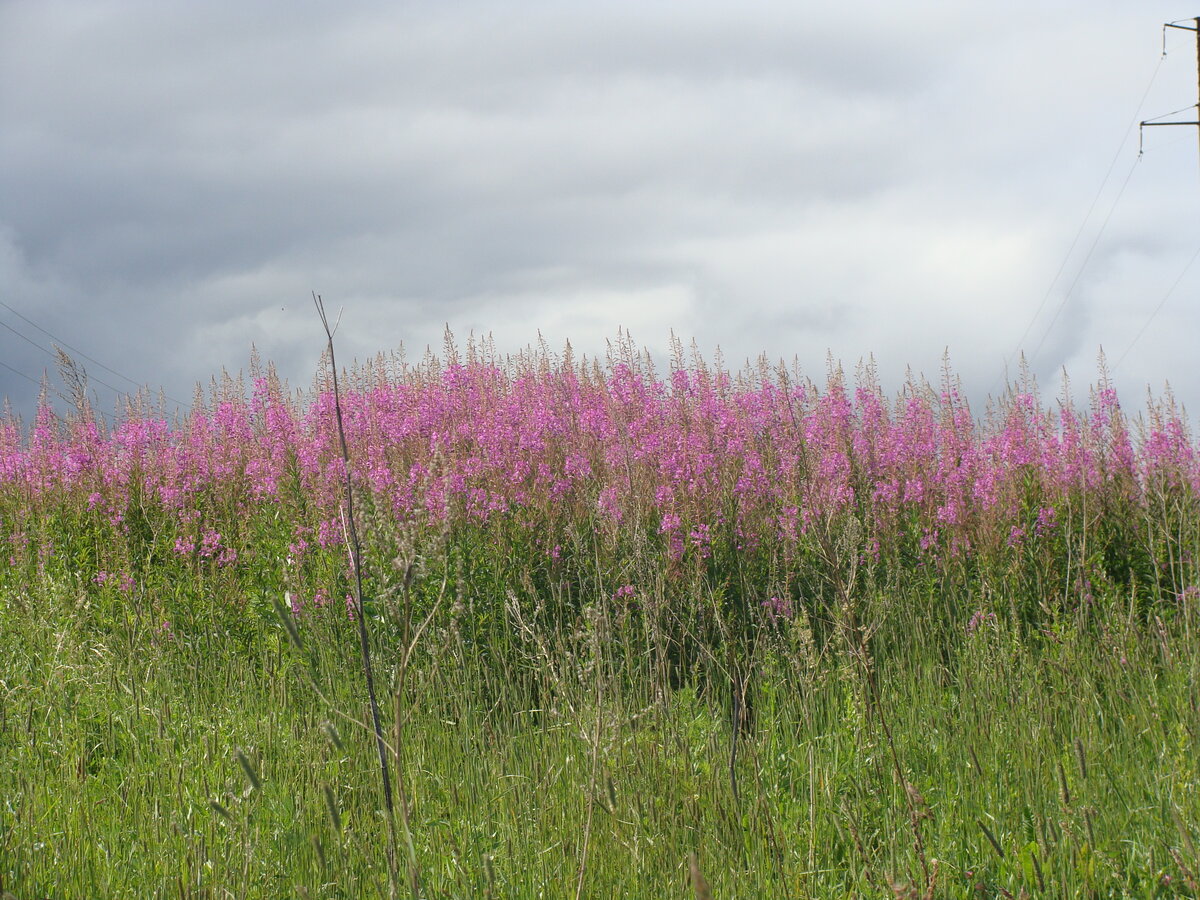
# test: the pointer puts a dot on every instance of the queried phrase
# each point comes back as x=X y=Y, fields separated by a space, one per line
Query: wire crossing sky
x=778 y=178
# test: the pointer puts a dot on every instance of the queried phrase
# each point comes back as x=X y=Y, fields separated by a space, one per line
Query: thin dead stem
x=360 y=614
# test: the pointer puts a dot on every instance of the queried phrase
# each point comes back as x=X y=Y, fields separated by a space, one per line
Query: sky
x=888 y=183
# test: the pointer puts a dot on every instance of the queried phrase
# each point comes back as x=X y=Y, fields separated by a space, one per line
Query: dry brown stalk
x=699 y=884
x=360 y=615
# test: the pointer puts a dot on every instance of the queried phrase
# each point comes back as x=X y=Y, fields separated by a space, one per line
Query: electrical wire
x=1083 y=266
x=51 y=353
x=28 y=378
x=1157 y=309
x=1196 y=255
x=40 y=384
x=57 y=340
x=1082 y=226
x=1173 y=112
x=63 y=343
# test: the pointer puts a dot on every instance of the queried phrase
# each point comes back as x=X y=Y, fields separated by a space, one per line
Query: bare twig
x=360 y=615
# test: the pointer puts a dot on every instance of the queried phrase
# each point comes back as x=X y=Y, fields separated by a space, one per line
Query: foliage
x=830 y=642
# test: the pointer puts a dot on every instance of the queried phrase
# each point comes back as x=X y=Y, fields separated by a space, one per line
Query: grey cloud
x=785 y=178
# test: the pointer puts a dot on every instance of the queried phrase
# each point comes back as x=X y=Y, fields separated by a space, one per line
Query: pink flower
x=779 y=608
x=979 y=619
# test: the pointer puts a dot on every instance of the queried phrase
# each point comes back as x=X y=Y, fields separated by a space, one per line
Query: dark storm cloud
x=175 y=178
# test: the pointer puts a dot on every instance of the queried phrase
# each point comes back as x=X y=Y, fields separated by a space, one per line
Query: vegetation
x=702 y=635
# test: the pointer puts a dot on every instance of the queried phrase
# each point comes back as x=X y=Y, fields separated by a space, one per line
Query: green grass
x=572 y=760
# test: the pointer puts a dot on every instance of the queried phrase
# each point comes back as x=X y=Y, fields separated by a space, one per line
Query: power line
x=1161 y=304
x=1195 y=28
x=1083 y=225
x=59 y=340
x=28 y=378
x=78 y=352
x=51 y=353
x=32 y=380
x=1173 y=112
x=1083 y=266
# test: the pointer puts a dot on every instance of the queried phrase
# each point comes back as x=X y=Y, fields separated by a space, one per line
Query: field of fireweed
x=634 y=634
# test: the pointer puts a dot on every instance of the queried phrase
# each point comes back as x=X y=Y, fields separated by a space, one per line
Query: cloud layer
x=774 y=178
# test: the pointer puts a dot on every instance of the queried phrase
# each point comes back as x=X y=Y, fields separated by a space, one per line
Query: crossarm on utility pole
x=1196 y=28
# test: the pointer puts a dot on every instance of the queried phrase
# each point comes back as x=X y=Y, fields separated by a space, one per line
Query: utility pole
x=1195 y=26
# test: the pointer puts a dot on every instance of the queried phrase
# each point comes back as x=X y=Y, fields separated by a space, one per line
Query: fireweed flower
x=979 y=619
x=703 y=462
x=210 y=543
x=779 y=607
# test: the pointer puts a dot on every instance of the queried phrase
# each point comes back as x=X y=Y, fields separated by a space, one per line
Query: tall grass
x=740 y=634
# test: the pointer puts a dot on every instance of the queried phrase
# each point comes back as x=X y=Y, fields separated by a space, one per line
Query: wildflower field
x=690 y=633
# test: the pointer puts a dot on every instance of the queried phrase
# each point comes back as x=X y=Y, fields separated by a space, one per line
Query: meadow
x=696 y=633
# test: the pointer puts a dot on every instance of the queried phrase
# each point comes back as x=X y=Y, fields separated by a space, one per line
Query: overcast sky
x=794 y=178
